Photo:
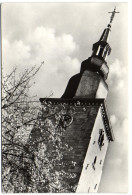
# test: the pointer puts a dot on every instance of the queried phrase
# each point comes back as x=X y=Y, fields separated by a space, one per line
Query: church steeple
x=91 y=81
x=101 y=48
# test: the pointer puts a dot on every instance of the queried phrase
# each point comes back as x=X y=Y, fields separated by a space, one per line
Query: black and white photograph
x=64 y=100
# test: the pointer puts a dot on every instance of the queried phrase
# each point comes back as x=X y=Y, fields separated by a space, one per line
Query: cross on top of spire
x=112 y=15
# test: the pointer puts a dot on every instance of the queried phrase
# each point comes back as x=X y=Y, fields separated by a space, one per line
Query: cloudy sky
x=62 y=35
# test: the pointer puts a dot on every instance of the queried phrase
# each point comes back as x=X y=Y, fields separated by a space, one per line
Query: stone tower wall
x=87 y=117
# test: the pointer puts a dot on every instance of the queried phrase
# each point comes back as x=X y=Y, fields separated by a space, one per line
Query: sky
x=62 y=35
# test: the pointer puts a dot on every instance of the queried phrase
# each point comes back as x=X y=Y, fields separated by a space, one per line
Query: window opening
x=101 y=51
x=87 y=166
x=100 y=162
x=93 y=142
x=94 y=162
x=101 y=138
x=95 y=186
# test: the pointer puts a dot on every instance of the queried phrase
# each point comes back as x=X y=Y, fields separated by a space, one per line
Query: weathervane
x=112 y=15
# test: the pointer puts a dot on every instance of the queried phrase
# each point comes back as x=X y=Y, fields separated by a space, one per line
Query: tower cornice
x=83 y=102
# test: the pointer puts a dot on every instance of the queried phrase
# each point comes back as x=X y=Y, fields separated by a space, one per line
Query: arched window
x=100 y=51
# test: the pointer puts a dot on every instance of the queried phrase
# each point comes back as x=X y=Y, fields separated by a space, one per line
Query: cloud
x=14 y=54
x=118 y=90
x=43 y=45
x=121 y=129
x=113 y=119
x=117 y=69
x=116 y=163
x=117 y=75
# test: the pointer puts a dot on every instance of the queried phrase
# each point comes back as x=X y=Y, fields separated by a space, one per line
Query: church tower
x=88 y=129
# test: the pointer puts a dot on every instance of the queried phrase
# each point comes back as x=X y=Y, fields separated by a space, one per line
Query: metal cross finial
x=113 y=14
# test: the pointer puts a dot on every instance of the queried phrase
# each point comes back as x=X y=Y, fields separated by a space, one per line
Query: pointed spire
x=102 y=48
x=106 y=32
x=105 y=35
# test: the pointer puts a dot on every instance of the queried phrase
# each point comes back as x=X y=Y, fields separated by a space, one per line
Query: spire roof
x=105 y=35
x=106 y=32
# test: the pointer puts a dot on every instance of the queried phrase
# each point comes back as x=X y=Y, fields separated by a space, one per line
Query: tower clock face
x=65 y=120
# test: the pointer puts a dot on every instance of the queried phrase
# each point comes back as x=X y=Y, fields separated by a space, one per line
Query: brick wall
x=78 y=136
